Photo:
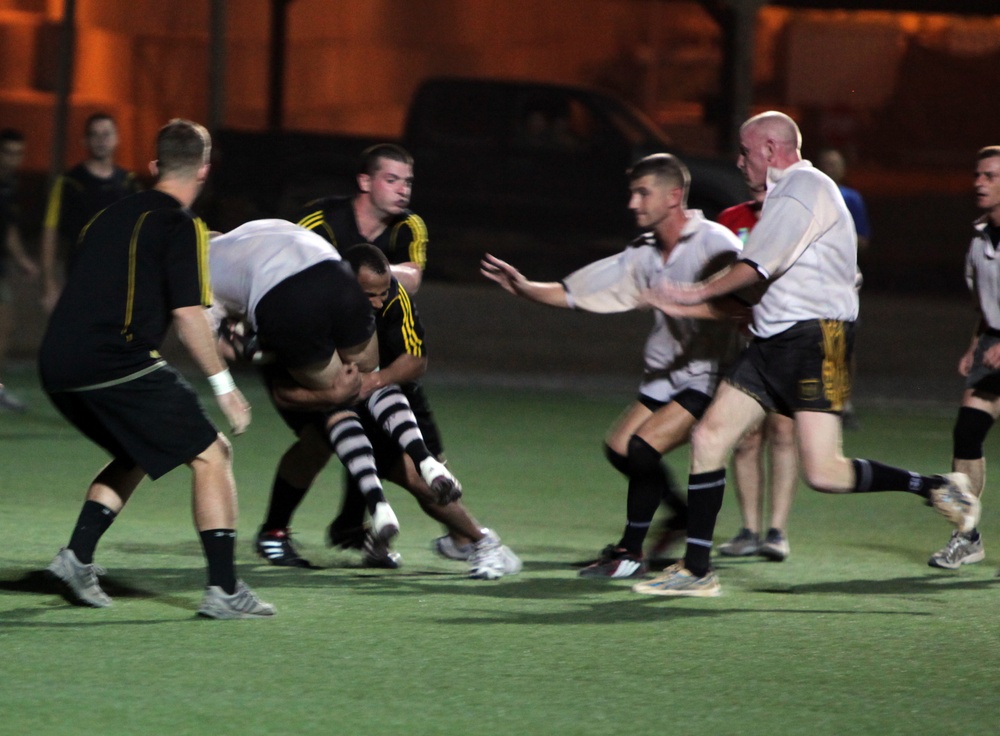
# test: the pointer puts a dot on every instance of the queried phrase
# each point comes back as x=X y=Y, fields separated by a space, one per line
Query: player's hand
x=236 y=409
x=965 y=362
x=501 y=272
x=991 y=358
x=50 y=297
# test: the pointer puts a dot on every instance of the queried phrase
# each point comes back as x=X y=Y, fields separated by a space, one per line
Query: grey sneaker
x=954 y=500
x=9 y=402
x=81 y=579
x=960 y=550
x=445 y=547
x=775 y=546
x=745 y=544
x=491 y=560
x=678 y=580
x=244 y=603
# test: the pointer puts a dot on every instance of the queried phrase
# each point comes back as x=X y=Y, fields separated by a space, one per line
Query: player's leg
x=296 y=472
x=748 y=472
x=978 y=412
x=215 y=513
x=731 y=413
x=347 y=439
x=392 y=412
x=784 y=477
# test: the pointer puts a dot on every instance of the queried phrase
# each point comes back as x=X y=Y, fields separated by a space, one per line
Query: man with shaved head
x=798 y=270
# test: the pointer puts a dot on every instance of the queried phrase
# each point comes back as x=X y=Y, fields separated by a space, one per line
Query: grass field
x=854 y=634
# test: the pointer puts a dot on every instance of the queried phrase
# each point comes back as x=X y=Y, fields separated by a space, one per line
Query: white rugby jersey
x=806 y=248
x=681 y=352
x=249 y=261
x=982 y=274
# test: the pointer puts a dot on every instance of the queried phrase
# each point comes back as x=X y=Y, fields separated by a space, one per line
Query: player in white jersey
x=800 y=262
x=980 y=364
x=683 y=356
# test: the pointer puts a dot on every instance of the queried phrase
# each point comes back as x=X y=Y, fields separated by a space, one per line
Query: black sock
x=220 y=550
x=393 y=414
x=94 y=520
x=285 y=498
x=705 y=492
x=647 y=484
x=873 y=477
x=352 y=506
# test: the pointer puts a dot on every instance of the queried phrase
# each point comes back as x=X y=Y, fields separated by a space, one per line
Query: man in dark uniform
x=78 y=195
x=377 y=214
x=142 y=268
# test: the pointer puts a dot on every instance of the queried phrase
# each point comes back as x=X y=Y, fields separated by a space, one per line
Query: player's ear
x=154 y=168
x=203 y=173
x=364 y=183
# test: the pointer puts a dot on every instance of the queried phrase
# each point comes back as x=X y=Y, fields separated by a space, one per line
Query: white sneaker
x=491 y=560
x=81 y=578
x=445 y=547
x=243 y=603
x=385 y=526
x=954 y=500
x=444 y=485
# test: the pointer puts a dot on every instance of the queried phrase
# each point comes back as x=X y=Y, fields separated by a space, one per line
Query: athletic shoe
x=244 y=603
x=616 y=562
x=674 y=530
x=352 y=537
x=9 y=402
x=81 y=579
x=385 y=525
x=954 y=500
x=960 y=550
x=445 y=547
x=376 y=552
x=775 y=546
x=275 y=546
x=678 y=580
x=745 y=544
x=491 y=560
x=444 y=485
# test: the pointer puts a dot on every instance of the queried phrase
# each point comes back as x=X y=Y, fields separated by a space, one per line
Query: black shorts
x=693 y=402
x=981 y=377
x=306 y=317
x=804 y=368
x=154 y=421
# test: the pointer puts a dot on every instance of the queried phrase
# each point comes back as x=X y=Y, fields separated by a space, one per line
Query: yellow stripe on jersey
x=836 y=376
x=411 y=340
x=55 y=203
x=204 y=282
x=311 y=220
x=418 y=240
x=316 y=222
x=133 y=247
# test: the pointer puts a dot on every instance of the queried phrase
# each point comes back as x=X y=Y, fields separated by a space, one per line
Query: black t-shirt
x=78 y=195
x=403 y=240
x=138 y=260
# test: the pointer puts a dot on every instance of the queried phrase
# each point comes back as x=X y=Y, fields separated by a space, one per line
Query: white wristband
x=222 y=382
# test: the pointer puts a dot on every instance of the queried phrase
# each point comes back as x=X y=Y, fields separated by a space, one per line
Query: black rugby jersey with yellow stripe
x=140 y=259
x=78 y=195
x=400 y=331
x=403 y=240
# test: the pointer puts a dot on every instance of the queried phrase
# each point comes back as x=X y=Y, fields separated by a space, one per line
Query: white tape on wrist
x=222 y=382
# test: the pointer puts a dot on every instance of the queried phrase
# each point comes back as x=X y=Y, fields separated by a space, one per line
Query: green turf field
x=854 y=634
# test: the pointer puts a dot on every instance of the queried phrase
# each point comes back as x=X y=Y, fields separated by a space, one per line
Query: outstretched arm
x=513 y=281
x=728 y=280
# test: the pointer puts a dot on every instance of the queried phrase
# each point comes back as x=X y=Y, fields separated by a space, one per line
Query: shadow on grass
x=915 y=585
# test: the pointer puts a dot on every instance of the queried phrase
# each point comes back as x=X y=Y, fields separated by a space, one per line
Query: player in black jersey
x=143 y=268
x=78 y=195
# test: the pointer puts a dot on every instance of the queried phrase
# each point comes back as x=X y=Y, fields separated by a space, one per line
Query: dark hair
x=367 y=255
x=182 y=146
x=988 y=152
x=97 y=117
x=369 y=162
x=663 y=166
x=11 y=134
